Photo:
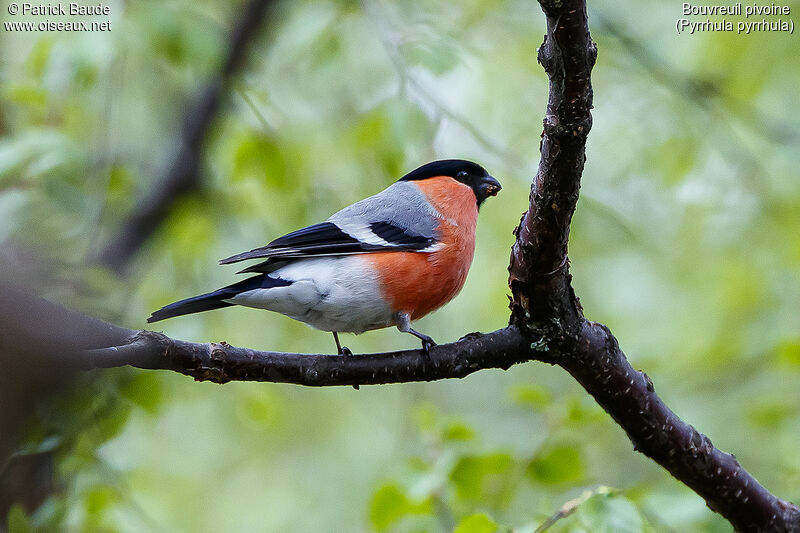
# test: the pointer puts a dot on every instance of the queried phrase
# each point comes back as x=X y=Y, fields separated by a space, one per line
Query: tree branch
x=183 y=174
x=545 y=308
x=60 y=340
x=629 y=396
x=222 y=362
x=41 y=346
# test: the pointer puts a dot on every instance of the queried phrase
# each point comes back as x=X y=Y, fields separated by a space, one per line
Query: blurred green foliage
x=685 y=243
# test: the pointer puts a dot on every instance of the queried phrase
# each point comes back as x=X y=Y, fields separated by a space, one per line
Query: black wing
x=327 y=238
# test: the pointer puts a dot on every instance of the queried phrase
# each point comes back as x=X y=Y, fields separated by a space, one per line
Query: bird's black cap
x=467 y=172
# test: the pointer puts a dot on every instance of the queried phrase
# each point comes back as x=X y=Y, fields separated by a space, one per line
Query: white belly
x=327 y=293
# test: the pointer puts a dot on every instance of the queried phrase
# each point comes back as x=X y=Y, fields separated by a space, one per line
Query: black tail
x=214 y=300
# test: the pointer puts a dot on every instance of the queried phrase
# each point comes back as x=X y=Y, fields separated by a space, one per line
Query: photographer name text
x=71 y=9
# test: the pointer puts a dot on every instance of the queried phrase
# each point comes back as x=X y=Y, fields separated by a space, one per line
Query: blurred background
x=686 y=243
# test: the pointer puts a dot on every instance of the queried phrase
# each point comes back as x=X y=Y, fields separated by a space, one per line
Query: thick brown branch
x=545 y=308
x=539 y=264
x=221 y=363
x=58 y=340
x=182 y=176
x=629 y=397
x=41 y=345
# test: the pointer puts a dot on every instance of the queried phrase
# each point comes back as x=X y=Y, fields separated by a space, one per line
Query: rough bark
x=221 y=362
x=544 y=306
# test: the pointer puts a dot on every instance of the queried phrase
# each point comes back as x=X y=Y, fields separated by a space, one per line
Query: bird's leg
x=343 y=350
x=404 y=325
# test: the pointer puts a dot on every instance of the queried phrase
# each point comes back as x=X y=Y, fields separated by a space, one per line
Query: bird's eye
x=462 y=175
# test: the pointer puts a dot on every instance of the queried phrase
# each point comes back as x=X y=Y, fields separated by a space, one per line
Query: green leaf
x=385 y=130
x=473 y=474
x=771 y=414
x=261 y=408
x=426 y=417
x=457 y=431
x=582 y=411
x=97 y=502
x=190 y=229
x=27 y=95
x=36 y=152
x=675 y=157
x=38 y=58
x=610 y=513
x=144 y=390
x=121 y=188
x=98 y=499
x=533 y=396
x=258 y=157
x=18 y=520
x=558 y=464
x=477 y=523
x=788 y=352
x=390 y=504
x=109 y=425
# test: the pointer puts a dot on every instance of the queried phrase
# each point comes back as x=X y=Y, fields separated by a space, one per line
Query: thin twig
x=570 y=507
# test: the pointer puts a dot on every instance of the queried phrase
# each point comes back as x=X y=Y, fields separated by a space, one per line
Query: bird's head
x=467 y=172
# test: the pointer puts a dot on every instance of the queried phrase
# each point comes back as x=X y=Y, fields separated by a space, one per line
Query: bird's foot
x=404 y=325
x=426 y=348
x=345 y=351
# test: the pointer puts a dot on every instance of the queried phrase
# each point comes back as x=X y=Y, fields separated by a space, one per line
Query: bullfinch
x=384 y=261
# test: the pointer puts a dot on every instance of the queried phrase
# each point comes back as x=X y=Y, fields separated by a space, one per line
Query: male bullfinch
x=384 y=261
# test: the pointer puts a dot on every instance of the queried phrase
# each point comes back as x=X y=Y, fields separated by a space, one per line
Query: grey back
x=402 y=204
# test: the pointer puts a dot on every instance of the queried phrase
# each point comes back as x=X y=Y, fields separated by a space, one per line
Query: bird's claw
x=344 y=351
x=426 y=348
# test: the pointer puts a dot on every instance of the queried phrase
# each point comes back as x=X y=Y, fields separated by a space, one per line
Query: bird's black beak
x=490 y=186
